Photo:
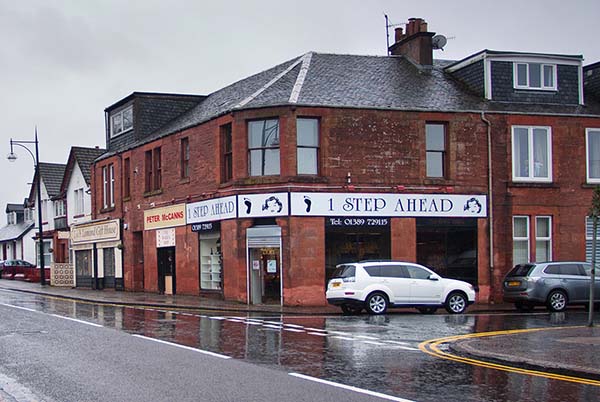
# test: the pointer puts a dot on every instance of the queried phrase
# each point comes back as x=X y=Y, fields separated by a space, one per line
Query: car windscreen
x=521 y=270
x=344 y=271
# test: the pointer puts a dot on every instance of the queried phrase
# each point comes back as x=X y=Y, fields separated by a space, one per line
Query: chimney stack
x=415 y=43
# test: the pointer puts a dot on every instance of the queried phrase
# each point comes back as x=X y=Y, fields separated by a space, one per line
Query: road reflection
x=379 y=353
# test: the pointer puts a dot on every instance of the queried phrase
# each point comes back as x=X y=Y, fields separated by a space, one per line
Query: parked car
x=553 y=284
x=22 y=270
x=1 y=268
x=377 y=285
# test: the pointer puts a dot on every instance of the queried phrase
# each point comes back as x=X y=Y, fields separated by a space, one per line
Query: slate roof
x=350 y=81
x=14 y=232
x=84 y=157
x=52 y=176
x=14 y=208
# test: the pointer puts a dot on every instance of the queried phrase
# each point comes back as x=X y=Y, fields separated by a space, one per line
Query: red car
x=21 y=270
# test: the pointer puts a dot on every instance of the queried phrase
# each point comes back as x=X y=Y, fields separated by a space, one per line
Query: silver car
x=553 y=284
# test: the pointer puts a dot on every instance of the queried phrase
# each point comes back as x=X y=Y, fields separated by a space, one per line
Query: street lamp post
x=36 y=160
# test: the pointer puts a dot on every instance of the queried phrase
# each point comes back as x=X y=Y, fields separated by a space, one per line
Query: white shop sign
x=165 y=238
x=392 y=205
x=263 y=205
x=211 y=210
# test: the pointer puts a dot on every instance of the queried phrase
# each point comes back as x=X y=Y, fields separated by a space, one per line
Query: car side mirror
x=433 y=278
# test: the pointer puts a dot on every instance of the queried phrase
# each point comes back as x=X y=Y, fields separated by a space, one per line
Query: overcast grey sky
x=63 y=62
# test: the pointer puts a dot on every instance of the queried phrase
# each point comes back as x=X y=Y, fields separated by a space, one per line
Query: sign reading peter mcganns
x=390 y=205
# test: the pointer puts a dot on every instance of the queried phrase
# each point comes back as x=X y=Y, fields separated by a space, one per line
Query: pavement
x=571 y=351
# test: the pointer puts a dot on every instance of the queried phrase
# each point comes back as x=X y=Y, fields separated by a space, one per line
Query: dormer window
x=11 y=218
x=535 y=76
x=121 y=121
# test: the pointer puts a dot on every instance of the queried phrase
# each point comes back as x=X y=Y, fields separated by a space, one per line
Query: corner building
x=257 y=191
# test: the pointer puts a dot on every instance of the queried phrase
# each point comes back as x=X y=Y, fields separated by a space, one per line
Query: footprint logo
x=308 y=203
x=248 y=204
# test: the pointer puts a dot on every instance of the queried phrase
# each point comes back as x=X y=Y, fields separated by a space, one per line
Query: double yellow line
x=432 y=347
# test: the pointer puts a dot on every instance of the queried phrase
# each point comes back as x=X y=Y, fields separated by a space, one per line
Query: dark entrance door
x=166 y=270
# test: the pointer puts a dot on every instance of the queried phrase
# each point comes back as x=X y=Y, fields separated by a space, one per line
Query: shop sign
x=357 y=222
x=165 y=217
x=212 y=210
x=165 y=238
x=389 y=205
x=263 y=205
x=206 y=227
x=96 y=232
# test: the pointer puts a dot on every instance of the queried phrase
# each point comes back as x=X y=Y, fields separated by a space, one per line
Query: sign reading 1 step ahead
x=389 y=205
x=263 y=205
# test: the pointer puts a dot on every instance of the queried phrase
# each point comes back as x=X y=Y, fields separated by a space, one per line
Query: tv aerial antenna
x=388 y=25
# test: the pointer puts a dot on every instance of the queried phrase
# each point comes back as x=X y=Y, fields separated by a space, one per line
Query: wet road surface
x=377 y=353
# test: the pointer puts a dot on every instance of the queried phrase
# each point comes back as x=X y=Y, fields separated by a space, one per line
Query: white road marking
x=367 y=337
x=373 y=343
x=272 y=326
x=293 y=330
x=20 y=308
x=350 y=388
x=344 y=338
x=317 y=333
x=206 y=352
x=76 y=320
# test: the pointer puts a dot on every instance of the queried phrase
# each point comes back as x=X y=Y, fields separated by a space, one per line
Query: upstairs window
x=108 y=186
x=227 y=156
x=185 y=158
x=79 y=209
x=11 y=218
x=307 y=138
x=531 y=154
x=59 y=208
x=435 y=143
x=263 y=147
x=29 y=214
x=153 y=169
x=121 y=121
x=535 y=76
x=593 y=154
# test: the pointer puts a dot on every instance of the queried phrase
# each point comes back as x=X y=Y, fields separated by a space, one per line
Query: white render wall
x=77 y=181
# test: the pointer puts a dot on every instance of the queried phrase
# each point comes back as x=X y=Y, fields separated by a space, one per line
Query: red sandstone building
x=255 y=192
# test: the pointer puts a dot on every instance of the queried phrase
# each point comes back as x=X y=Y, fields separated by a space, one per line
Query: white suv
x=377 y=285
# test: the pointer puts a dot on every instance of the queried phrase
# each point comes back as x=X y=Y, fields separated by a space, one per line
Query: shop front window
x=83 y=263
x=210 y=262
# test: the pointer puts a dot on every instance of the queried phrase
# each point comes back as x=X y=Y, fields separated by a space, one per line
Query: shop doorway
x=265 y=275
x=265 y=272
x=166 y=270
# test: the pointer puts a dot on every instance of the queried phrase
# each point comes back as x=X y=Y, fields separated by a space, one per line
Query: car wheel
x=376 y=303
x=524 y=306
x=456 y=303
x=350 y=310
x=557 y=301
x=427 y=310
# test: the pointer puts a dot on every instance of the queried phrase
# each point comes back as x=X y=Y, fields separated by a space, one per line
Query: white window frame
x=59 y=208
x=514 y=238
x=313 y=170
x=542 y=87
x=11 y=218
x=79 y=207
x=590 y=179
x=119 y=114
x=108 y=186
x=531 y=177
x=546 y=238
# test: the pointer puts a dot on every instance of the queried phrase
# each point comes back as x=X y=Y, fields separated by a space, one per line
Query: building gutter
x=490 y=193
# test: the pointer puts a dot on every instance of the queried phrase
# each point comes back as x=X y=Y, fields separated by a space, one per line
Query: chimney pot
x=399 y=33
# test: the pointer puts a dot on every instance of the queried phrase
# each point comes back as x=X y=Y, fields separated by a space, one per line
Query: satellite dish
x=438 y=42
